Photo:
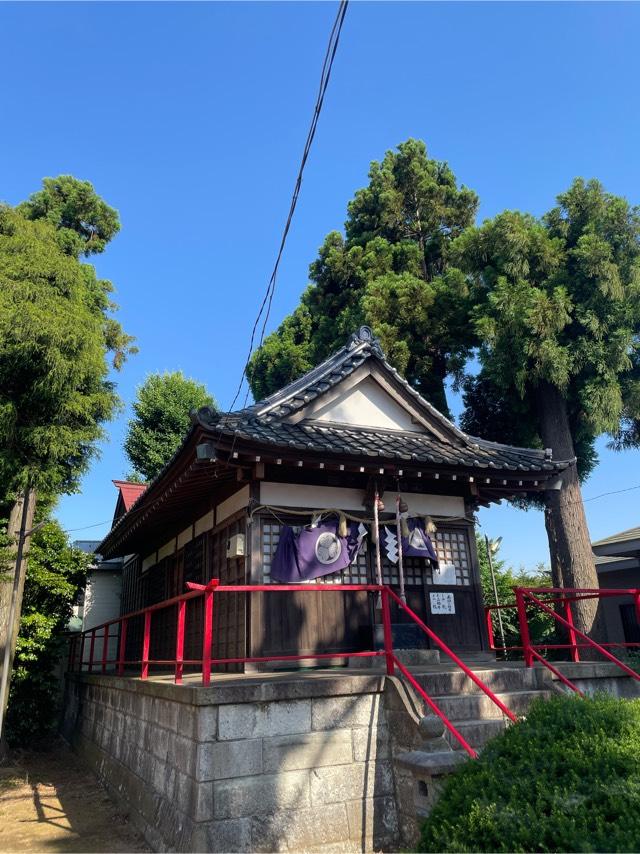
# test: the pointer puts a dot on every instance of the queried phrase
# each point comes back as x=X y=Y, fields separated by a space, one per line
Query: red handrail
x=434 y=637
x=563 y=597
x=556 y=672
x=206 y=591
x=528 y=593
x=434 y=707
x=212 y=589
x=565 y=601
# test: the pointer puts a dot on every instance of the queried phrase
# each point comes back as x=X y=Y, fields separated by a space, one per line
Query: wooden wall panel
x=229 y=617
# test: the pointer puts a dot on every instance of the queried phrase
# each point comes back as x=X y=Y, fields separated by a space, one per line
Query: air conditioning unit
x=235 y=546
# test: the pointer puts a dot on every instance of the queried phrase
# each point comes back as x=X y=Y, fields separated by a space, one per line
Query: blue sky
x=190 y=119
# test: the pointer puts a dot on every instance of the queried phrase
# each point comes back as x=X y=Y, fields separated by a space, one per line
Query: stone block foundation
x=280 y=764
x=290 y=762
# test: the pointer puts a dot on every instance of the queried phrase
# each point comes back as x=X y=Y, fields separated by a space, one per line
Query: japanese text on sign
x=442 y=603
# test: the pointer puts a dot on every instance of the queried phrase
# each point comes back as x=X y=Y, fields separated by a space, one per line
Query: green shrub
x=55 y=573
x=565 y=779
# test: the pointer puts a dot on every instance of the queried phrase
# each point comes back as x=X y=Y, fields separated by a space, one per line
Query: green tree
x=494 y=411
x=56 y=572
x=58 y=343
x=161 y=419
x=558 y=314
x=542 y=627
x=85 y=223
x=391 y=271
x=55 y=336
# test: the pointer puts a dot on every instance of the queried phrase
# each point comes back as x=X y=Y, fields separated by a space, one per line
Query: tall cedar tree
x=391 y=271
x=161 y=419
x=558 y=314
x=58 y=342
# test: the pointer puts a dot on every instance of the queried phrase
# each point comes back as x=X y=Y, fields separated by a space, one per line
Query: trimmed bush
x=565 y=779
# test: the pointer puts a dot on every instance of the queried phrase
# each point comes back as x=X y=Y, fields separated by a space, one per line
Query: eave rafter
x=505 y=482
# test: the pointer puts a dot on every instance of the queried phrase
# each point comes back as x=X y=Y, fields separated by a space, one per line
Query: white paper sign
x=446 y=574
x=442 y=603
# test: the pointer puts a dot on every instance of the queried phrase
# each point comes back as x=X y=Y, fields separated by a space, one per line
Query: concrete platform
x=271 y=683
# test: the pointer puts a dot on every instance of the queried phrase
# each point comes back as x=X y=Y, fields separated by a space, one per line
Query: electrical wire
x=602 y=495
x=84 y=527
x=324 y=82
x=265 y=306
x=613 y=492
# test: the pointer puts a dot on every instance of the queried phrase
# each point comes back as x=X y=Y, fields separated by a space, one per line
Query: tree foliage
x=502 y=414
x=390 y=271
x=557 y=312
x=542 y=626
x=557 y=300
x=56 y=334
x=161 y=419
x=567 y=778
x=56 y=572
x=84 y=222
x=58 y=343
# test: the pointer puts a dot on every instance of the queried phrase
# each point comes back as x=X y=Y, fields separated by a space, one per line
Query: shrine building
x=284 y=489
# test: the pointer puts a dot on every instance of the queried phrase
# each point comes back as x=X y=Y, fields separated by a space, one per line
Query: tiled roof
x=621 y=537
x=607 y=563
x=396 y=445
x=267 y=423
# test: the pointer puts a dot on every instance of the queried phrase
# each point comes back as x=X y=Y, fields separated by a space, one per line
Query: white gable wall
x=366 y=404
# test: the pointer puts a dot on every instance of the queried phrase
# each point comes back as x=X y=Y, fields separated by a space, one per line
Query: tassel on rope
x=342 y=525
x=429 y=525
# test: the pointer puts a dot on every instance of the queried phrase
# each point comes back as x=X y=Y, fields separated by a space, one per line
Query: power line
x=325 y=75
x=603 y=495
x=613 y=492
x=84 y=527
x=265 y=306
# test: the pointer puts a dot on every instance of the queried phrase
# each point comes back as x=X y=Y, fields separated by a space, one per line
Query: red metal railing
x=577 y=639
x=117 y=631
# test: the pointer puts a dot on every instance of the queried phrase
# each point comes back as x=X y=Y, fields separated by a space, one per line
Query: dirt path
x=51 y=802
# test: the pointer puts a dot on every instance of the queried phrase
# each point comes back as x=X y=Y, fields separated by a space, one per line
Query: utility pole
x=12 y=624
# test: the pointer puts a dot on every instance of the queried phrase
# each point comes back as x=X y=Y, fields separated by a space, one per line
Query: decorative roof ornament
x=365 y=335
x=205 y=415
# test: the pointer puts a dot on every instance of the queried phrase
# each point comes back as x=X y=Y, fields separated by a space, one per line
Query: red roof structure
x=128 y=495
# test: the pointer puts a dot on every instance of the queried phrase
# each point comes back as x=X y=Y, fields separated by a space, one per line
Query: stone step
x=503 y=679
x=462 y=707
x=476 y=732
